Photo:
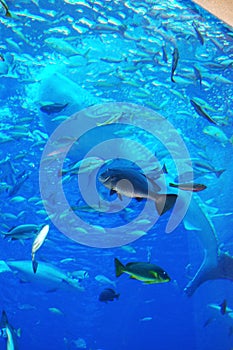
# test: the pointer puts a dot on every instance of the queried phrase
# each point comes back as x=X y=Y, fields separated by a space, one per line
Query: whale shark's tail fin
x=216 y=264
x=223 y=269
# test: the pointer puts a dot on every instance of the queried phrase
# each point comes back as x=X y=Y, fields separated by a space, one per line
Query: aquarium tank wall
x=115 y=176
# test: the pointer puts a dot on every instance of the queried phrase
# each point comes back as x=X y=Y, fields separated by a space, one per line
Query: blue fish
x=108 y=294
x=53 y=108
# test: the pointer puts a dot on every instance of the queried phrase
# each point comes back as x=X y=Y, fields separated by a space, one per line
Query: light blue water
x=115 y=51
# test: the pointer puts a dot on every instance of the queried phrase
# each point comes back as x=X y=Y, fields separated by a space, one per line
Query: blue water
x=118 y=51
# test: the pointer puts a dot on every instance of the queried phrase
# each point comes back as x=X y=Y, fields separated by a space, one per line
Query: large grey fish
x=133 y=184
x=9 y=332
x=48 y=275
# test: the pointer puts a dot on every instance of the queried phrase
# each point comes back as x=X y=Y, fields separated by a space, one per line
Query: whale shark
x=216 y=264
x=48 y=275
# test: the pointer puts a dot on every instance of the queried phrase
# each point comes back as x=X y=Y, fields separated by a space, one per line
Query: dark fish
x=223 y=307
x=208 y=321
x=189 y=186
x=175 y=58
x=16 y=187
x=133 y=184
x=53 y=108
x=118 y=180
x=201 y=112
x=2 y=58
x=199 y=35
x=8 y=14
x=108 y=294
x=164 y=54
x=142 y=271
x=198 y=75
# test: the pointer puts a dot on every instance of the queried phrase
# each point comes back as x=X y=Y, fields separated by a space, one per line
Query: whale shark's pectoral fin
x=209 y=270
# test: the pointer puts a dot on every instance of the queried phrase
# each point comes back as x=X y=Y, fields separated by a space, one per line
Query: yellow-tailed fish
x=142 y=271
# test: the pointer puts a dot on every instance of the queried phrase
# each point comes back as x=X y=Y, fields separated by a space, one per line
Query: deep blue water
x=114 y=51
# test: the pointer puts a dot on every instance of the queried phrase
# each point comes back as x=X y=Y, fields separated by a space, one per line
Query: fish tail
x=34 y=265
x=4 y=319
x=223 y=306
x=85 y=56
x=172 y=79
x=122 y=28
x=164 y=202
x=164 y=169
x=18 y=332
x=219 y=172
x=172 y=185
x=8 y=14
x=119 y=267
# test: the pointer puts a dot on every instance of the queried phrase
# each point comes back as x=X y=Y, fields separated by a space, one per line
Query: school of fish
x=160 y=55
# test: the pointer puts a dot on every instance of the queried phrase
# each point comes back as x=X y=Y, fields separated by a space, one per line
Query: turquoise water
x=108 y=64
